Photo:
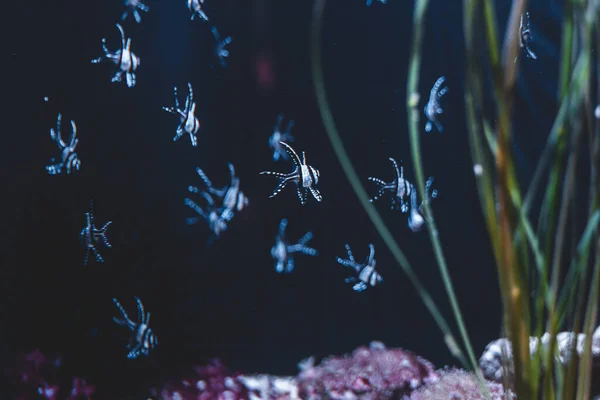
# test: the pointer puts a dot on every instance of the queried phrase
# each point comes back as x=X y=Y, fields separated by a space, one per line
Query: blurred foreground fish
x=134 y=7
x=282 y=252
x=279 y=136
x=230 y=197
x=195 y=6
x=215 y=217
x=220 y=51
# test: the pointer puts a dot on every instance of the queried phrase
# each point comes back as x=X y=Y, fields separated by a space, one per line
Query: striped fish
x=143 y=339
x=366 y=275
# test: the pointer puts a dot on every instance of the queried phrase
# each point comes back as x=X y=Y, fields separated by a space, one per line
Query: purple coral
x=215 y=382
x=35 y=376
x=269 y=387
x=457 y=384
x=370 y=373
x=210 y=382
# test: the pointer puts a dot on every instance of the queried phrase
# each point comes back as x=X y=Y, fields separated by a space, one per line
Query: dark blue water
x=225 y=299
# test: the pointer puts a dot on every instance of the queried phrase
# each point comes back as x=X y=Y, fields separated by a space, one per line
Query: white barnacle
x=433 y=108
x=188 y=123
x=305 y=176
x=399 y=187
x=91 y=236
x=366 y=275
x=134 y=7
x=279 y=136
x=125 y=60
x=68 y=157
x=282 y=252
x=143 y=339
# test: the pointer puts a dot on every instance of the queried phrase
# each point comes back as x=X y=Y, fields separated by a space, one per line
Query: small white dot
x=229 y=382
x=228 y=395
x=597 y=112
x=478 y=169
x=46 y=99
x=177 y=396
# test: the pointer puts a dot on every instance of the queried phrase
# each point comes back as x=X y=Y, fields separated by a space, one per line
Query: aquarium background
x=224 y=299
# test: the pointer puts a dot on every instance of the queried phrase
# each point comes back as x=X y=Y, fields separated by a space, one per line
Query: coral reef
x=209 y=382
x=457 y=384
x=36 y=376
x=370 y=373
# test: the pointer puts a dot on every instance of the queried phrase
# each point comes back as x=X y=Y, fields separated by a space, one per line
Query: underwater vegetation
x=539 y=296
x=285 y=258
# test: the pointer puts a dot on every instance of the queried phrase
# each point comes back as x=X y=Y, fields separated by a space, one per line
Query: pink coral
x=210 y=382
x=457 y=384
x=81 y=390
x=35 y=376
x=270 y=387
x=370 y=373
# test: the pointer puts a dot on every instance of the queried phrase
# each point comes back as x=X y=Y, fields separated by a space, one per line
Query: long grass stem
x=413 y=113
x=347 y=166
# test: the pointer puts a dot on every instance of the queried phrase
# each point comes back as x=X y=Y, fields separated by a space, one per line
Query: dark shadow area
x=225 y=300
